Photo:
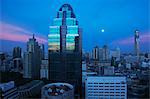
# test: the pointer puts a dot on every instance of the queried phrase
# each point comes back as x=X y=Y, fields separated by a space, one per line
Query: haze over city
x=110 y=22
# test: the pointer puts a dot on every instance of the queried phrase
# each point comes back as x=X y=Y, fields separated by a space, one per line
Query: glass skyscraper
x=64 y=30
x=64 y=45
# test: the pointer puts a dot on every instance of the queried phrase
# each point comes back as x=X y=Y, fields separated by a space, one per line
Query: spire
x=33 y=36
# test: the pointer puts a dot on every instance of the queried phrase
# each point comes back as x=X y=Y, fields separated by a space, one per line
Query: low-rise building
x=8 y=91
x=106 y=87
x=30 y=89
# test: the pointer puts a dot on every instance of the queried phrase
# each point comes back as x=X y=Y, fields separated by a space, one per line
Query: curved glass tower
x=64 y=40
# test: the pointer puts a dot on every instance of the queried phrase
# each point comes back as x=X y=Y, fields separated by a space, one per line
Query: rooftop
x=55 y=89
x=30 y=84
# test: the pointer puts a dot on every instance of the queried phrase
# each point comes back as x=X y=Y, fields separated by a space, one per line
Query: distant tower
x=136 y=42
x=95 y=53
x=105 y=52
x=32 y=59
x=42 y=51
x=16 y=52
x=17 y=60
x=118 y=53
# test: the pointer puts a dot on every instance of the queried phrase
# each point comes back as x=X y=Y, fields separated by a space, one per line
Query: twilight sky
x=19 y=19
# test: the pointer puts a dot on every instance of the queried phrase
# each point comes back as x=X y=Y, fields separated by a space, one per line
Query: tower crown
x=66 y=7
x=64 y=33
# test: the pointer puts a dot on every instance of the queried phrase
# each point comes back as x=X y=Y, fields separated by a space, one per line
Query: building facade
x=115 y=53
x=8 y=91
x=32 y=60
x=105 y=52
x=106 y=87
x=64 y=42
x=95 y=53
x=17 y=59
x=44 y=69
x=16 y=52
x=31 y=89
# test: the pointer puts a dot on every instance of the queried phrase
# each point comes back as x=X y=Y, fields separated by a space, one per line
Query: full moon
x=102 y=30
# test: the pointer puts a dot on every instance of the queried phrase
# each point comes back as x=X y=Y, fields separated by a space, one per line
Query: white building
x=115 y=53
x=44 y=69
x=57 y=91
x=8 y=91
x=106 y=87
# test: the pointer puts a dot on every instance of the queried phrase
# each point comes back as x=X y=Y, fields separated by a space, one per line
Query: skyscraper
x=95 y=53
x=16 y=52
x=42 y=51
x=105 y=52
x=136 y=43
x=32 y=60
x=17 y=59
x=64 y=40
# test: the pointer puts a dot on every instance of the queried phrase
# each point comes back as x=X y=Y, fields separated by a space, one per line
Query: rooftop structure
x=58 y=91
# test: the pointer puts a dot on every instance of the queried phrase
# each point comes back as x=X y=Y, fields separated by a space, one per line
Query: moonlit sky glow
x=102 y=30
x=19 y=19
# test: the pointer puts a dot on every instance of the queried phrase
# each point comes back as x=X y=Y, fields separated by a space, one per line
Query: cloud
x=144 y=39
x=14 y=33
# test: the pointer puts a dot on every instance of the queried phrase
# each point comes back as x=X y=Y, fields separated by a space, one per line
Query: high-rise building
x=17 y=59
x=32 y=60
x=18 y=66
x=16 y=52
x=95 y=53
x=42 y=51
x=106 y=87
x=115 y=53
x=100 y=54
x=64 y=40
x=44 y=69
x=136 y=43
x=105 y=52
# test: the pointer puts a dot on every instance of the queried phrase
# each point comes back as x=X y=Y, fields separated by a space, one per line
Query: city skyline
x=36 y=19
x=74 y=49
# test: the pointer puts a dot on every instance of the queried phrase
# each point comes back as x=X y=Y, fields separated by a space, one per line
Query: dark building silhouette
x=17 y=59
x=16 y=52
x=42 y=51
x=32 y=60
x=136 y=43
x=64 y=42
